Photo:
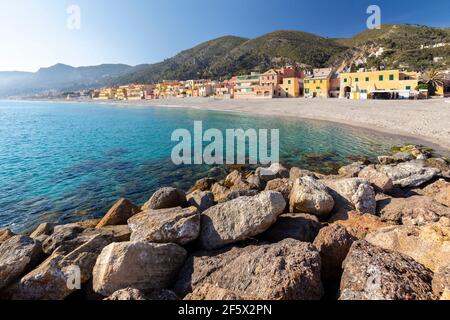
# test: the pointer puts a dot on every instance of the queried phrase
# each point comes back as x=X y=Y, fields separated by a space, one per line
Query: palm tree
x=433 y=77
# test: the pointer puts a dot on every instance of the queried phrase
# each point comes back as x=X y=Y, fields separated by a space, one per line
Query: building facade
x=317 y=84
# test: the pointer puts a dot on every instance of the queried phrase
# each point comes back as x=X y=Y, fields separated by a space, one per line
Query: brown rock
x=284 y=186
x=297 y=173
x=429 y=245
x=204 y=184
x=352 y=170
x=415 y=210
x=439 y=191
x=359 y=225
x=5 y=234
x=233 y=178
x=220 y=192
x=373 y=273
x=45 y=229
x=333 y=243
x=119 y=213
x=202 y=200
x=128 y=294
x=379 y=180
x=287 y=270
x=441 y=282
x=120 y=233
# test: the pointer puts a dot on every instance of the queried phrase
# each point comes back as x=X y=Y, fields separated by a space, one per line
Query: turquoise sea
x=62 y=162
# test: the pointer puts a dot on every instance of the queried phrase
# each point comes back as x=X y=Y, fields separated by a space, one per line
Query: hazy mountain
x=59 y=77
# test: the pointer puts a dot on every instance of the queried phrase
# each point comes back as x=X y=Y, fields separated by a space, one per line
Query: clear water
x=64 y=162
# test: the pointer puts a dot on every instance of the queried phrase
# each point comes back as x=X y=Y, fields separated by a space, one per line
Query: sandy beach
x=427 y=120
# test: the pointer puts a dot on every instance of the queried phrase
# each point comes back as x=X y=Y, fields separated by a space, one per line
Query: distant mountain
x=59 y=77
x=393 y=46
x=227 y=56
x=397 y=46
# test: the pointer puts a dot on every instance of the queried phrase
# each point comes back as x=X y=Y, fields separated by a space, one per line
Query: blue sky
x=34 y=33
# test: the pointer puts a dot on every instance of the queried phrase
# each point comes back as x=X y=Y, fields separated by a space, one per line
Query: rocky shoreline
x=374 y=231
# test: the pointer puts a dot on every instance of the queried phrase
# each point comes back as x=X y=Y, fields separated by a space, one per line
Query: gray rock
x=166 y=198
x=287 y=270
x=299 y=226
x=275 y=171
x=140 y=265
x=61 y=234
x=297 y=173
x=284 y=186
x=373 y=273
x=310 y=196
x=237 y=194
x=409 y=174
x=354 y=192
x=18 y=255
x=386 y=160
x=176 y=225
x=240 y=219
x=128 y=294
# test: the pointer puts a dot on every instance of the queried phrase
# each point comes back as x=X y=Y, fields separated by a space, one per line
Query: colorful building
x=384 y=84
x=317 y=84
x=290 y=88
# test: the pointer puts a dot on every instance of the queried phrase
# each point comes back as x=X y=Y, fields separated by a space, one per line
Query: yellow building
x=290 y=88
x=106 y=94
x=317 y=84
x=384 y=84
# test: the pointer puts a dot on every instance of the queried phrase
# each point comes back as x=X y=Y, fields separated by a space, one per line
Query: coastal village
x=289 y=82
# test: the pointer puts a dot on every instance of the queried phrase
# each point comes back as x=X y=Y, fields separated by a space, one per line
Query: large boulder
x=237 y=194
x=373 y=273
x=310 y=196
x=429 y=245
x=415 y=210
x=409 y=174
x=240 y=219
x=233 y=178
x=379 y=180
x=166 y=198
x=18 y=255
x=299 y=226
x=354 y=192
x=211 y=292
x=119 y=213
x=403 y=157
x=176 y=225
x=56 y=277
x=287 y=270
x=359 y=225
x=141 y=265
x=333 y=243
x=61 y=235
x=202 y=200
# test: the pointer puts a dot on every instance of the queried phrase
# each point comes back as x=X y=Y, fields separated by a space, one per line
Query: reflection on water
x=63 y=162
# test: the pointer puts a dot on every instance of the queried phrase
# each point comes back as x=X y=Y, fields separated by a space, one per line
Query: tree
x=433 y=78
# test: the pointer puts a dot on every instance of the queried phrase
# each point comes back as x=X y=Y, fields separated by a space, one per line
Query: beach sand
x=427 y=120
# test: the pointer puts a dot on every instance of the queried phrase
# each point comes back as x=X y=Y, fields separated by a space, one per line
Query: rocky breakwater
x=377 y=230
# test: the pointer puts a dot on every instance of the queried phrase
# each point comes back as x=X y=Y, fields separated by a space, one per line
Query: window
x=321 y=81
x=306 y=90
x=367 y=79
x=287 y=89
x=356 y=79
x=408 y=87
x=289 y=81
x=345 y=80
x=391 y=77
x=318 y=88
x=381 y=78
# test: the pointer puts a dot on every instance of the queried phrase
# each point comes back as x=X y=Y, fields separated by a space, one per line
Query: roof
x=323 y=73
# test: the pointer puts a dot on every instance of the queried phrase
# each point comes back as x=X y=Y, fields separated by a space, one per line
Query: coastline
x=423 y=121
